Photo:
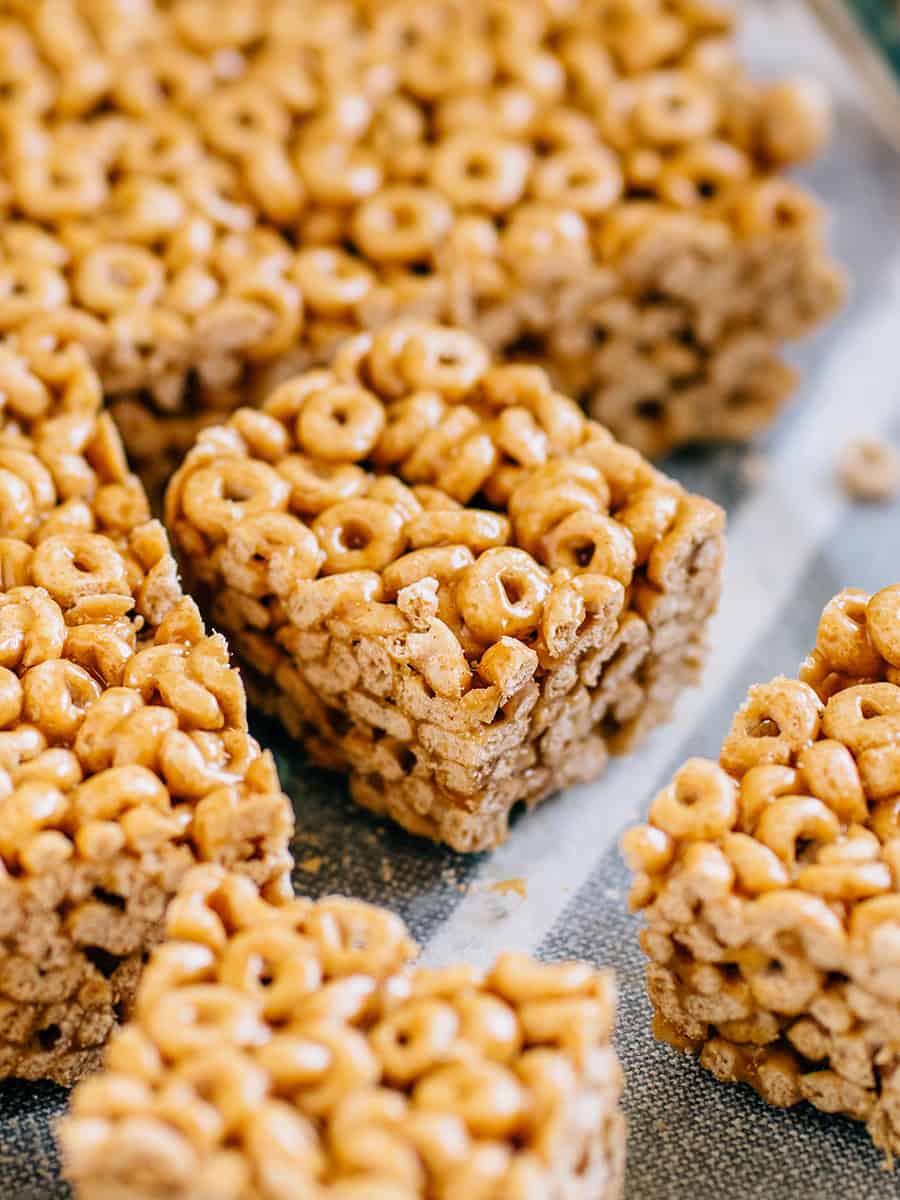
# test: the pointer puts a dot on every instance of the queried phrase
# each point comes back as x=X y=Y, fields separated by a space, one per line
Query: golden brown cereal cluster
x=124 y=752
x=204 y=193
x=445 y=577
x=289 y=1050
x=770 y=883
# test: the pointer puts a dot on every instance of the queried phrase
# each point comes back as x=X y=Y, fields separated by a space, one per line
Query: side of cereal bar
x=599 y=187
x=446 y=579
x=124 y=752
x=290 y=1050
x=770 y=883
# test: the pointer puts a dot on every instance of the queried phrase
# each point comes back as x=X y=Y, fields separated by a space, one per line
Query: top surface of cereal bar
x=290 y=1050
x=412 y=450
x=200 y=188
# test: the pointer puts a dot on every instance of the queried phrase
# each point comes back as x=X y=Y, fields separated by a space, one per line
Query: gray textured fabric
x=794 y=540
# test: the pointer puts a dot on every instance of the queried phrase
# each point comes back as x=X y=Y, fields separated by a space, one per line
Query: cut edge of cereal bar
x=124 y=751
x=445 y=578
x=290 y=1048
x=769 y=883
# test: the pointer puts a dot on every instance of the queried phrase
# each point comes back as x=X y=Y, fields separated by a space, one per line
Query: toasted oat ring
x=28 y=288
x=702 y=174
x=486 y=1095
x=56 y=695
x=316 y=486
x=593 y=543
x=674 y=107
x=357 y=937
x=274 y=965
x=218 y=496
x=401 y=224
x=415 y=1038
x=73 y=565
x=109 y=793
x=448 y=361
x=231 y=1081
x=773 y=206
x=475 y=528
x=479 y=170
x=359 y=535
x=587 y=179
x=331 y=280
x=883 y=623
x=864 y=716
x=341 y=423
x=199 y=1019
x=700 y=803
x=502 y=594
x=116 y=276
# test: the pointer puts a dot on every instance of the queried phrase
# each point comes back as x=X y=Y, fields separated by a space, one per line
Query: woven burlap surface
x=794 y=540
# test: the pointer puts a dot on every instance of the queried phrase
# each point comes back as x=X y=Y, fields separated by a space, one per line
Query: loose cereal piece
x=287 y=1050
x=214 y=201
x=124 y=752
x=443 y=577
x=869 y=469
x=770 y=882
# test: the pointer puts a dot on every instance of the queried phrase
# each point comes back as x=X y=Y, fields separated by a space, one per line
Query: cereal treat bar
x=210 y=192
x=124 y=752
x=445 y=578
x=285 y=1051
x=770 y=883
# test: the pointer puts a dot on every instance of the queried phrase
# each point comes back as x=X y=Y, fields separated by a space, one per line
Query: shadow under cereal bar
x=213 y=199
x=770 y=882
x=446 y=579
x=124 y=752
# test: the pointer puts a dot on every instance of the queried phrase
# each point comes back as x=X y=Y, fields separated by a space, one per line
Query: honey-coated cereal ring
x=501 y=593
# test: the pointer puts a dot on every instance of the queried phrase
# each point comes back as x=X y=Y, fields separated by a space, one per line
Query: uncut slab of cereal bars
x=444 y=578
x=213 y=192
x=289 y=1050
x=770 y=882
x=124 y=752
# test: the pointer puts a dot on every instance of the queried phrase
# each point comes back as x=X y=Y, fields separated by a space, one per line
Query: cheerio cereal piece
x=287 y=1050
x=212 y=197
x=869 y=469
x=444 y=578
x=124 y=751
x=770 y=882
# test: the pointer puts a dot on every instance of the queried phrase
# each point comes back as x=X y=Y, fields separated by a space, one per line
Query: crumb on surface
x=754 y=469
x=311 y=865
x=505 y=887
x=869 y=469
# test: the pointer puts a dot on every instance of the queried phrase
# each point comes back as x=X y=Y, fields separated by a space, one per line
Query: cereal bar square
x=770 y=882
x=124 y=752
x=290 y=1050
x=212 y=197
x=443 y=577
